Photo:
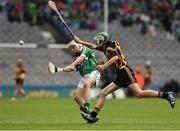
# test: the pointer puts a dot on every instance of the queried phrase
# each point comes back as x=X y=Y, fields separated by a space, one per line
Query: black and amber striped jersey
x=19 y=72
x=111 y=49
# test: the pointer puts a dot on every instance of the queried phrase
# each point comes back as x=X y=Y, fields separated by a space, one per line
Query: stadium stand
x=12 y=32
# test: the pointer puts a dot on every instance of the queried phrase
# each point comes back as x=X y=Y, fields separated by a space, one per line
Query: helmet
x=73 y=43
x=74 y=48
x=102 y=36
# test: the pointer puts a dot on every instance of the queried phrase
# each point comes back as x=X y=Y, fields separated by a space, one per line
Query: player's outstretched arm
x=69 y=68
x=111 y=61
x=88 y=44
x=108 y=63
x=78 y=60
x=72 y=66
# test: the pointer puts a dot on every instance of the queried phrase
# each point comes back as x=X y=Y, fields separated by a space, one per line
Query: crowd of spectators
x=87 y=14
x=31 y=11
x=152 y=14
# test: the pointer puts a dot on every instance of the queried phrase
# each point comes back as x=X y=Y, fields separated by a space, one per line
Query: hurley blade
x=51 y=67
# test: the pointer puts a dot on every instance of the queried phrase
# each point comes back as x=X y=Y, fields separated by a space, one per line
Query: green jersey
x=90 y=62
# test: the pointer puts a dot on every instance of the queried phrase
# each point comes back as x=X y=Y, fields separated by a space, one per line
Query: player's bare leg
x=169 y=96
x=102 y=97
x=89 y=82
x=16 y=91
x=91 y=118
x=79 y=96
x=142 y=93
x=23 y=92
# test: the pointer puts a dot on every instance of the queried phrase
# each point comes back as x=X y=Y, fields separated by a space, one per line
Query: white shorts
x=95 y=74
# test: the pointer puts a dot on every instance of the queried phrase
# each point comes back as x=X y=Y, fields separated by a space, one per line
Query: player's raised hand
x=76 y=39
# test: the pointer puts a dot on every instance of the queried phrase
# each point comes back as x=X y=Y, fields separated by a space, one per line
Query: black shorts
x=125 y=77
x=19 y=81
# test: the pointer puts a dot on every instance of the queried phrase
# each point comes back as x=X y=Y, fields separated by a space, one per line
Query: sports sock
x=95 y=112
x=87 y=104
x=163 y=95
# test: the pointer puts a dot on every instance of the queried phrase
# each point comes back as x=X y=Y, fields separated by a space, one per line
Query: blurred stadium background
x=148 y=30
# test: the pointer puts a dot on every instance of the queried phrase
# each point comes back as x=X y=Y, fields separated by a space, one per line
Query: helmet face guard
x=101 y=38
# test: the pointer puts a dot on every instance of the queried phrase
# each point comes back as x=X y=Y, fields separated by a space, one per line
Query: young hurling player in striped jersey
x=125 y=75
x=20 y=74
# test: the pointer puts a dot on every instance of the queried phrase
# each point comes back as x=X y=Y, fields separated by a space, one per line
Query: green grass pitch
x=64 y=114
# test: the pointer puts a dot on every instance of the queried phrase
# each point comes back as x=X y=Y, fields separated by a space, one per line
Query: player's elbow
x=116 y=58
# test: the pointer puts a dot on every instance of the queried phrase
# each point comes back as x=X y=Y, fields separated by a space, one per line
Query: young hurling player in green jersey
x=85 y=63
x=125 y=75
